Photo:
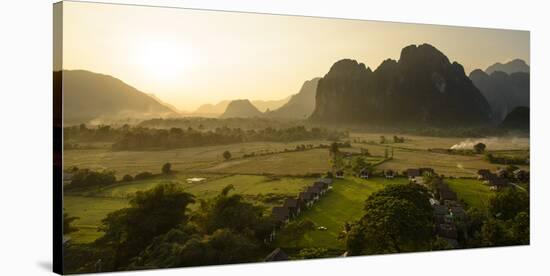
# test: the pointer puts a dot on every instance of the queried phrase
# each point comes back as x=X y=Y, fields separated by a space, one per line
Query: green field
x=472 y=191
x=344 y=203
x=90 y=210
x=92 y=206
x=281 y=174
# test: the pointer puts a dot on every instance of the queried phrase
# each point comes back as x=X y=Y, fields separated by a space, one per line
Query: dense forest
x=138 y=138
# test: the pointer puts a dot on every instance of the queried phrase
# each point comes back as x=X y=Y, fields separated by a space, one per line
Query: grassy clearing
x=472 y=191
x=93 y=205
x=90 y=210
x=344 y=203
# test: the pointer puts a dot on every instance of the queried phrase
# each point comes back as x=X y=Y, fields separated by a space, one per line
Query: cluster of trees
x=159 y=231
x=83 y=178
x=505 y=223
x=140 y=138
x=507 y=160
x=397 y=219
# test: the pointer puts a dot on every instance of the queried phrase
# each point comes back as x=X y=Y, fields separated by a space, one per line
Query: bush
x=143 y=175
x=127 y=178
x=167 y=168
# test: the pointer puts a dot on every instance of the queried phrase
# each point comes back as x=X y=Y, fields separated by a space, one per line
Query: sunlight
x=163 y=61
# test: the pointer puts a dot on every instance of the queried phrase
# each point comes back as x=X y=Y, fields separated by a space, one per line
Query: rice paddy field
x=344 y=203
x=275 y=176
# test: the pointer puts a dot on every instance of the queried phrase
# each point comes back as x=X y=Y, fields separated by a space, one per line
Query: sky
x=192 y=57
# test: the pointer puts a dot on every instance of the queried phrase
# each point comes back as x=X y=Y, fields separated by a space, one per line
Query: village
x=448 y=211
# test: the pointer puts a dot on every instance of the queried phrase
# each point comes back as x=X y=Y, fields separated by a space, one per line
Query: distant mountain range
x=215 y=110
x=88 y=96
x=300 y=105
x=503 y=90
x=422 y=88
x=513 y=66
x=241 y=109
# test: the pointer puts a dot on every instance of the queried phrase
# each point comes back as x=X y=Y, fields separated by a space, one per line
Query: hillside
x=241 y=109
x=300 y=105
x=503 y=91
x=88 y=96
x=514 y=66
x=422 y=88
x=517 y=119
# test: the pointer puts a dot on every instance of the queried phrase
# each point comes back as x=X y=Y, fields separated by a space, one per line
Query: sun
x=163 y=61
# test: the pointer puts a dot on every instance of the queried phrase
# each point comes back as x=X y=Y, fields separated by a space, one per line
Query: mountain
x=269 y=105
x=514 y=66
x=215 y=110
x=503 y=91
x=421 y=89
x=300 y=105
x=212 y=110
x=88 y=96
x=241 y=109
x=517 y=119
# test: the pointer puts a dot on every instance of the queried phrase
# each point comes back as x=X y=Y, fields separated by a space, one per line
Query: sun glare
x=163 y=61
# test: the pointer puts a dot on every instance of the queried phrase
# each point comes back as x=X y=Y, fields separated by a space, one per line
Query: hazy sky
x=191 y=57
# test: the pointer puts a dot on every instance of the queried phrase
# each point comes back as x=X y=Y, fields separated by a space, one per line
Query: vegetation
x=389 y=215
x=83 y=178
x=507 y=160
x=479 y=147
x=226 y=155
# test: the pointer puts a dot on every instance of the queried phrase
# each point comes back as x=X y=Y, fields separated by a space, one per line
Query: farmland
x=272 y=174
x=344 y=203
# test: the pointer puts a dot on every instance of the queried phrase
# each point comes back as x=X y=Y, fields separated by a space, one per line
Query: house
x=327 y=181
x=439 y=213
x=412 y=173
x=280 y=214
x=276 y=255
x=364 y=173
x=426 y=171
x=293 y=205
x=446 y=194
x=497 y=183
x=447 y=230
x=306 y=198
x=502 y=173
x=483 y=174
x=434 y=202
x=521 y=175
x=340 y=174
x=67 y=178
x=389 y=174
x=322 y=186
x=315 y=191
x=457 y=212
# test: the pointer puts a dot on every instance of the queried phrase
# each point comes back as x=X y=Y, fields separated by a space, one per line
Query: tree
x=226 y=155
x=127 y=178
x=167 y=168
x=333 y=150
x=234 y=213
x=67 y=224
x=151 y=213
x=479 y=147
x=382 y=139
x=390 y=214
x=359 y=164
x=508 y=202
